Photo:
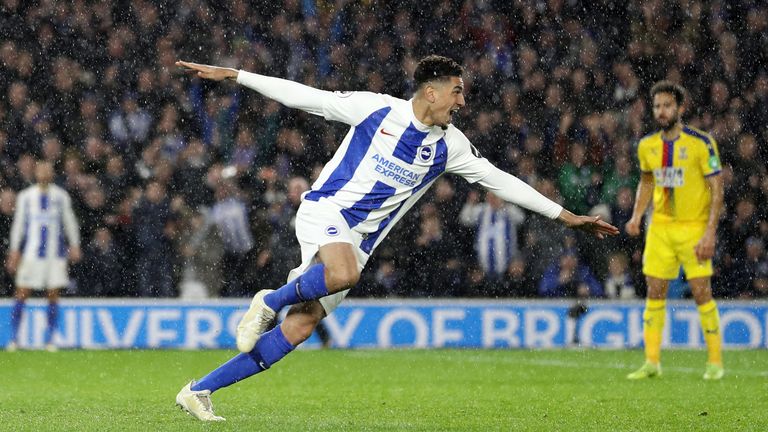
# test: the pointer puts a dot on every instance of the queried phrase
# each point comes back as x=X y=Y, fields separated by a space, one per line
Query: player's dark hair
x=435 y=67
x=669 y=87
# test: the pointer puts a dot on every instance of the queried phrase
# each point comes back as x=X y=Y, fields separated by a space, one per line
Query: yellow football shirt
x=680 y=168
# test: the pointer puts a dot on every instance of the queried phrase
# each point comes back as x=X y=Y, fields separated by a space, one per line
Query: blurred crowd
x=188 y=188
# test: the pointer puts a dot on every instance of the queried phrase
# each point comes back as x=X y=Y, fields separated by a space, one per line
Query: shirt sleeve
x=709 y=158
x=642 y=150
x=467 y=162
x=346 y=107
x=287 y=92
x=352 y=107
x=464 y=159
x=512 y=189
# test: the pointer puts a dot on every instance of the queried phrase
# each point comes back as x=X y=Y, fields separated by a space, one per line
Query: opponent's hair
x=669 y=87
x=435 y=67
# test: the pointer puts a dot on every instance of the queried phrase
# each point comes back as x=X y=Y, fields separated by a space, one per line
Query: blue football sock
x=18 y=308
x=53 y=314
x=308 y=286
x=269 y=349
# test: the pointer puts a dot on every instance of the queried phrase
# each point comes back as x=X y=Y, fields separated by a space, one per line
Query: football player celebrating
x=394 y=151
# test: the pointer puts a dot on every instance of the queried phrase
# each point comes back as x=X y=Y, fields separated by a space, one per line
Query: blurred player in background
x=38 y=250
x=681 y=172
x=394 y=150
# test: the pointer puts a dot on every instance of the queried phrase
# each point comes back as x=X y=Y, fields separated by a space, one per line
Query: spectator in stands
x=189 y=178
x=151 y=221
x=129 y=125
x=230 y=215
x=282 y=252
x=620 y=176
x=751 y=271
x=518 y=279
x=748 y=170
x=575 y=179
x=496 y=225
x=432 y=277
x=569 y=278
x=542 y=239
x=619 y=283
x=101 y=266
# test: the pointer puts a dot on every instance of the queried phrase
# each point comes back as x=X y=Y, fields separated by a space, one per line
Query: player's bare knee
x=341 y=278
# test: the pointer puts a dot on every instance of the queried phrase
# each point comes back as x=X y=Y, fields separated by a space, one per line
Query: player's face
x=666 y=112
x=449 y=98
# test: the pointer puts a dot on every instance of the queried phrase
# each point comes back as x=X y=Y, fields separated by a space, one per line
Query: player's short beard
x=670 y=124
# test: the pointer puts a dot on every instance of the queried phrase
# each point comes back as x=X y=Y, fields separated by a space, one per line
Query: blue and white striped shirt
x=42 y=220
x=231 y=217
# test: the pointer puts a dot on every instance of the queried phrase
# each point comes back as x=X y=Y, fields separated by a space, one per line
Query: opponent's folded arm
x=288 y=93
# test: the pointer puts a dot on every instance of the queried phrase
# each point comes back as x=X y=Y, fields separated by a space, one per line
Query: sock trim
x=707 y=307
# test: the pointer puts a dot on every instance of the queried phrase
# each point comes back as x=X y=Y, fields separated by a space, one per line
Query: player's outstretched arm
x=590 y=224
x=287 y=92
x=512 y=189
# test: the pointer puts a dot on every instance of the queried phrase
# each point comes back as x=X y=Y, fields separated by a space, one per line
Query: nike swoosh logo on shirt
x=386 y=133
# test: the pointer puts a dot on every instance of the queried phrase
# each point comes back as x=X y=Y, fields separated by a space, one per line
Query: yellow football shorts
x=670 y=245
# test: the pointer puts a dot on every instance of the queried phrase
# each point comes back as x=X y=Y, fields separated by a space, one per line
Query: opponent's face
x=666 y=111
x=446 y=97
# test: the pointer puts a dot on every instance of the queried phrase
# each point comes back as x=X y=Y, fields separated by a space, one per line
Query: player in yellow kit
x=681 y=172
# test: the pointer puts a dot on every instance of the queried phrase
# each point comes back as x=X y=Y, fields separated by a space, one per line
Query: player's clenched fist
x=633 y=227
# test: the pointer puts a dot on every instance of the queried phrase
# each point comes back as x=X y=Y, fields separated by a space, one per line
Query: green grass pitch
x=397 y=390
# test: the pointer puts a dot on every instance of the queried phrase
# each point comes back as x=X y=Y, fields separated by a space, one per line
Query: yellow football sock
x=710 y=326
x=653 y=325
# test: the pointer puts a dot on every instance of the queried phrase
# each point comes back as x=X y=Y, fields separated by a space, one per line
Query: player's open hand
x=590 y=224
x=705 y=248
x=214 y=73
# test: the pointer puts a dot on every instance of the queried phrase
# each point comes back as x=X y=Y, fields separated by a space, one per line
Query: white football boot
x=197 y=403
x=12 y=346
x=255 y=322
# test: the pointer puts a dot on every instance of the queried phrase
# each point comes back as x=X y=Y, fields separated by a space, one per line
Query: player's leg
x=710 y=326
x=336 y=271
x=53 y=317
x=653 y=326
x=660 y=265
x=331 y=260
x=271 y=347
x=20 y=297
x=56 y=278
x=699 y=275
x=654 y=316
